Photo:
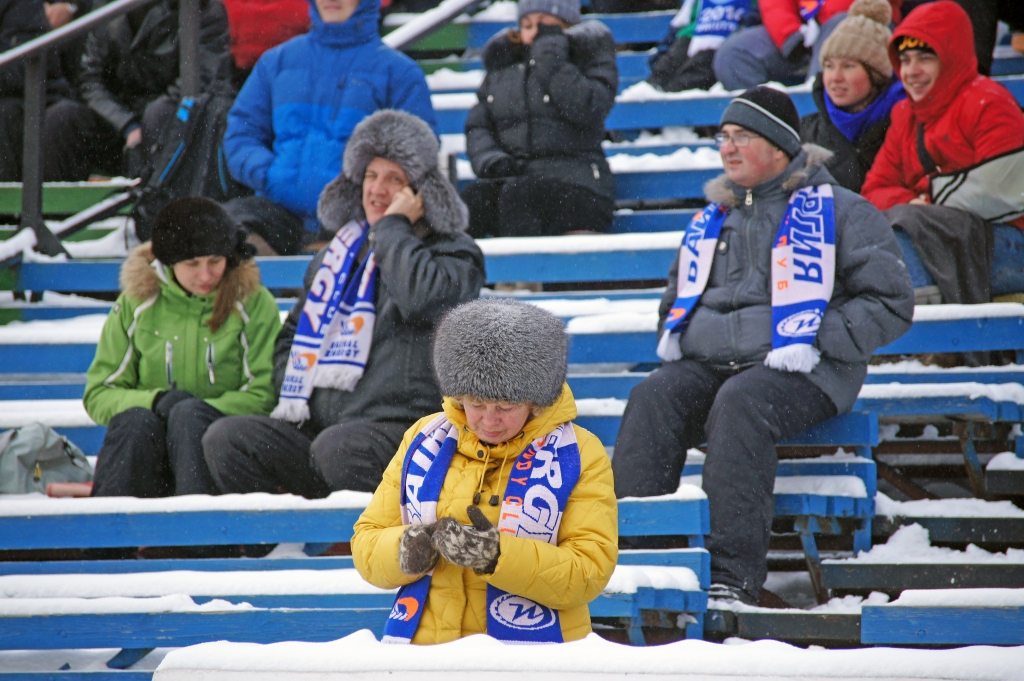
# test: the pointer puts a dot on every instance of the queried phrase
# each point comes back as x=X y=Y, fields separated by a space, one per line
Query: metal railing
x=34 y=52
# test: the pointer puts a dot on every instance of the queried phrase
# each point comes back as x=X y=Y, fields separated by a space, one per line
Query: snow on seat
x=120 y=598
x=908 y=560
x=34 y=521
x=947 y=617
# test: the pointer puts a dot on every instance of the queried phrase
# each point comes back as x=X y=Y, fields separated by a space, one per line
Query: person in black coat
x=21 y=21
x=129 y=83
x=854 y=93
x=534 y=138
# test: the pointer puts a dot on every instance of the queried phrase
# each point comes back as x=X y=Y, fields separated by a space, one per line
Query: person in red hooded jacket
x=965 y=118
x=781 y=49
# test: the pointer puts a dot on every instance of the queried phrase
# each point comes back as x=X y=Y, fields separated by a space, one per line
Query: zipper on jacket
x=169 y=365
x=749 y=201
x=209 y=363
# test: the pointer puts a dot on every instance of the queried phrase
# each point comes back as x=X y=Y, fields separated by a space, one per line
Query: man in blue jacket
x=288 y=128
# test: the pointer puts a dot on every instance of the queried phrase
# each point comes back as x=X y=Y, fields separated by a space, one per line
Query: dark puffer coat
x=134 y=59
x=544 y=105
x=851 y=162
x=872 y=301
x=423 y=270
x=418 y=281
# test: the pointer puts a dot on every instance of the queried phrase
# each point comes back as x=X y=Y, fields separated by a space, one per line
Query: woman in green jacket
x=188 y=341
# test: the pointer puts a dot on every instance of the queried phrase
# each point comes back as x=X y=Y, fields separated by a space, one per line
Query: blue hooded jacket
x=287 y=130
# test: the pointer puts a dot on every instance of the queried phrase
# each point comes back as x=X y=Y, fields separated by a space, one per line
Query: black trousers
x=532 y=206
x=261 y=454
x=282 y=229
x=144 y=457
x=741 y=416
x=78 y=141
x=955 y=247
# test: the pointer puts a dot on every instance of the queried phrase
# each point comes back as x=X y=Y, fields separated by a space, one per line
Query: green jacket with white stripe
x=218 y=347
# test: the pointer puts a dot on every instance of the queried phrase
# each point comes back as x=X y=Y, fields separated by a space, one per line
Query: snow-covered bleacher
x=944 y=595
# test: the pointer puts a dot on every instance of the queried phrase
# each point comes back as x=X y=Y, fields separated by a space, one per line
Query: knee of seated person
x=218 y=438
x=135 y=418
x=185 y=411
x=735 y=401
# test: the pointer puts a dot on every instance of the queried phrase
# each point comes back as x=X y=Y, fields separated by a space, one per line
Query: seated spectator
x=766 y=327
x=288 y=128
x=785 y=47
x=352 y=363
x=21 y=21
x=467 y=536
x=953 y=119
x=129 y=83
x=685 y=57
x=189 y=340
x=534 y=137
x=854 y=93
x=258 y=25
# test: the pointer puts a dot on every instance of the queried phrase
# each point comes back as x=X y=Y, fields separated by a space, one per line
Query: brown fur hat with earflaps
x=404 y=139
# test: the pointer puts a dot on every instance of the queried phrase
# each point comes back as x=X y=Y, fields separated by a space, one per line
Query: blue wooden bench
x=953 y=617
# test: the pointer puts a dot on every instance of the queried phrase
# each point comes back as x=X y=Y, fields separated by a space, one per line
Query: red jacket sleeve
x=885 y=184
x=997 y=122
x=781 y=18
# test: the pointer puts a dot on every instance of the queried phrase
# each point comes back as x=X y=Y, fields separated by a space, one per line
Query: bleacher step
x=853 y=578
x=804 y=628
x=994 y=531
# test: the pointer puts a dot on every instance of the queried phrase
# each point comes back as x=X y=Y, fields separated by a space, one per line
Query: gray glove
x=476 y=547
x=416 y=555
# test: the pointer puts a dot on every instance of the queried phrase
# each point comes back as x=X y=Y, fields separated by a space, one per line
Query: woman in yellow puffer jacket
x=525 y=529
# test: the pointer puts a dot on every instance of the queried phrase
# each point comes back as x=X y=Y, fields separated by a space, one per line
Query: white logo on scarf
x=800 y=324
x=521 y=613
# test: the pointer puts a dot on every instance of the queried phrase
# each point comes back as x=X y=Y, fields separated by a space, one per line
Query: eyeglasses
x=740 y=139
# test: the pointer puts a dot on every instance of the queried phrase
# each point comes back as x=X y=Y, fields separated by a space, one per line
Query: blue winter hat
x=566 y=10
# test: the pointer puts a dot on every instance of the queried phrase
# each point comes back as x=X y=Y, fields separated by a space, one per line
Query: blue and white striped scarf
x=803 y=275
x=542 y=478
x=335 y=331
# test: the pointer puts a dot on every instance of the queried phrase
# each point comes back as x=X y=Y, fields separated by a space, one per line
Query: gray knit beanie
x=566 y=10
x=769 y=113
x=503 y=350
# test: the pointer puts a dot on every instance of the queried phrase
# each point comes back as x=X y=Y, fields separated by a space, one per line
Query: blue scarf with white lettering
x=542 y=478
x=803 y=275
x=332 y=339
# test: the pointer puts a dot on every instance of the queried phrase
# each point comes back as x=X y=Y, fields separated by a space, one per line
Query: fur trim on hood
x=585 y=41
x=408 y=141
x=140 y=280
x=719 y=190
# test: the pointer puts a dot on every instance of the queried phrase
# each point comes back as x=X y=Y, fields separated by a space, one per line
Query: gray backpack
x=33 y=456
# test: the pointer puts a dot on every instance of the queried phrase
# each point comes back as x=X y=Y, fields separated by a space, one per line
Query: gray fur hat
x=408 y=141
x=566 y=10
x=501 y=349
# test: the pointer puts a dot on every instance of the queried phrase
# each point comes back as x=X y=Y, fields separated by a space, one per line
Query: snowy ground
x=360 y=656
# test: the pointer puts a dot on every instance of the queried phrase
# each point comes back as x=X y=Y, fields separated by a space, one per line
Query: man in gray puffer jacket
x=724 y=389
